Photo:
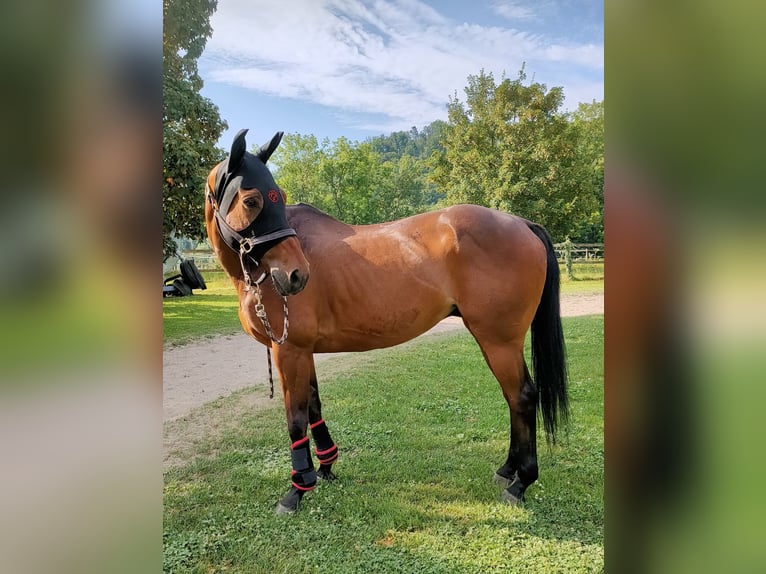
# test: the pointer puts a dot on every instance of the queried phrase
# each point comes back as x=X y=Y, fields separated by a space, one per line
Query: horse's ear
x=237 y=150
x=268 y=148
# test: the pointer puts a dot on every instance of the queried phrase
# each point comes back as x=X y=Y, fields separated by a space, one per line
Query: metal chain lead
x=260 y=310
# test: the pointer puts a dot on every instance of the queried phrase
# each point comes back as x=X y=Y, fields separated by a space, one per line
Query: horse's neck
x=316 y=230
x=306 y=216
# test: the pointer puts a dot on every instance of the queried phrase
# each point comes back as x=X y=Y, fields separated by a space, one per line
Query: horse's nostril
x=295 y=278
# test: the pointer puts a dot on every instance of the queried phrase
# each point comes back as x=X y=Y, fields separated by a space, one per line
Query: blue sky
x=363 y=68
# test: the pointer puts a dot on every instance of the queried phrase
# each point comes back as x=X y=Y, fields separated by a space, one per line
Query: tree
x=349 y=174
x=406 y=193
x=588 y=121
x=297 y=161
x=413 y=143
x=416 y=146
x=509 y=148
x=349 y=180
x=191 y=123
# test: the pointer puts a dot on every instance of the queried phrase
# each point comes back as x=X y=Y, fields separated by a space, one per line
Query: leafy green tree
x=350 y=180
x=430 y=139
x=394 y=145
x=417 y=146
x=297 y=163
x=405 y=191
x=509 y=148
x=349 y=173
x=414 y=143
x=588 y=121
x=191 y=124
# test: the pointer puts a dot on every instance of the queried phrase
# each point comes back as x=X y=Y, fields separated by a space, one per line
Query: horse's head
x=250 y=214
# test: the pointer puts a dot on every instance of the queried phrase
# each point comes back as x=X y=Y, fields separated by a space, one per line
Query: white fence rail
x=204 y=260
x=581 y=251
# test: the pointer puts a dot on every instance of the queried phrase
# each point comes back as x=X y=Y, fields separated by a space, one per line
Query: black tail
x=548 y=352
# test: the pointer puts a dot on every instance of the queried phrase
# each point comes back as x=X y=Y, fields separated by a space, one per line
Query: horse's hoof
x=503 y=481
x=326 y=475
x=511 y=499
x=286 y=510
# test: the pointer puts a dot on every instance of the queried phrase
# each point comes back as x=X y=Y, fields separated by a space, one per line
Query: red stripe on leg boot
x=299 y=442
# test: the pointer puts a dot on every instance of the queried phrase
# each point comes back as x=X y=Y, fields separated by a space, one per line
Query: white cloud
x=587 y=55
x=513 y=11
x=398 y=58
x=579 y=91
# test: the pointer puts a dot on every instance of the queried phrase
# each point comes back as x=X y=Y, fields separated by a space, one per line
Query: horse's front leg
x=295 y=368
x=325 y=448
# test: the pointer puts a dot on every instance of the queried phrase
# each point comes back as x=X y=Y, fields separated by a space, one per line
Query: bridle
x=245 y=247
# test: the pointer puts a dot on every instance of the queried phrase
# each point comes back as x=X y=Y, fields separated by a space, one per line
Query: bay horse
x=340 y=287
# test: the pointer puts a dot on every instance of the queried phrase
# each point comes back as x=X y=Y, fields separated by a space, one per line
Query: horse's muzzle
x=290 y=283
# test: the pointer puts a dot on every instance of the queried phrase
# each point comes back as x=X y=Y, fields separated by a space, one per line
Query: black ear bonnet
x=243 y=169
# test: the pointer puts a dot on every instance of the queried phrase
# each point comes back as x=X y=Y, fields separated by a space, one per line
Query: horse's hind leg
x=520 y=468
x=324 y=447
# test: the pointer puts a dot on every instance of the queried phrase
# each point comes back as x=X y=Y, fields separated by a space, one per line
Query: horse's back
x=456 y=225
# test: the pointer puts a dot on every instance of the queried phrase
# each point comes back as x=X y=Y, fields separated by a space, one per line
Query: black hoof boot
x=291 y=501
x=514 y=494
x=325 y=472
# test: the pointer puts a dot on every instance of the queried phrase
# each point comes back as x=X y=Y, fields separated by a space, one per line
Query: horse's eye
x=251 y=202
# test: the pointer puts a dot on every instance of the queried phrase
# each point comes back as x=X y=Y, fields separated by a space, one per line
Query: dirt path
x=201 y=372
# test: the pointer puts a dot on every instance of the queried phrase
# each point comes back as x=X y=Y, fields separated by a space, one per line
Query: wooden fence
x=204 y=259
x=580 y=251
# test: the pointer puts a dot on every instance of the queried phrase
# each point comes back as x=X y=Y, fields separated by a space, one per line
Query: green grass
x=583 y=287
x=583 y=271
x=204 y=314
x=421 y=429
x=588 y=278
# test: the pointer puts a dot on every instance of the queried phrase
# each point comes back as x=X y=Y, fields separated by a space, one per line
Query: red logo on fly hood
x=274 y=196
